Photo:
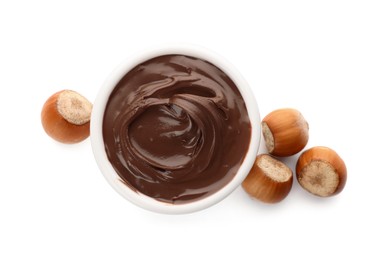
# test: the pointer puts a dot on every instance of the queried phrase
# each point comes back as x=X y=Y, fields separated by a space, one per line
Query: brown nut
x=321 y=171
x=66 y=117
x=285 y=132
x=269 y=180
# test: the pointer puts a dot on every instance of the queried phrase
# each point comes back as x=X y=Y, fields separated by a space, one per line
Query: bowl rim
x=97 y=142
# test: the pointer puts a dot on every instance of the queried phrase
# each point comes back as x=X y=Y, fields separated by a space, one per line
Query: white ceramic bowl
x=98 y=144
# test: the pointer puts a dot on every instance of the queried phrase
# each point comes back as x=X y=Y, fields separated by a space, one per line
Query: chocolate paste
x=176 y=128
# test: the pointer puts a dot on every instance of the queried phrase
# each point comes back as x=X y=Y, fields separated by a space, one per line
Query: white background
x=325 y=58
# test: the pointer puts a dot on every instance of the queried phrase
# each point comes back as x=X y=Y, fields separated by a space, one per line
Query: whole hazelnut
x=285 y=132
x=321 y=171
x=66 y=117
x=269 y=180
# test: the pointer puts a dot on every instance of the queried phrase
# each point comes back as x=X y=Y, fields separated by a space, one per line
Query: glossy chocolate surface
x=176 y=129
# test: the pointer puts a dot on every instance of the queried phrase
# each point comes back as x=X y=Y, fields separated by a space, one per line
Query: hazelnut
x=66 y=117
x=269 y=180
x=321 y=171
x=285 y=132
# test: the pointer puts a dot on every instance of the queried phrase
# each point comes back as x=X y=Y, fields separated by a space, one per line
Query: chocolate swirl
x=176 y=128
